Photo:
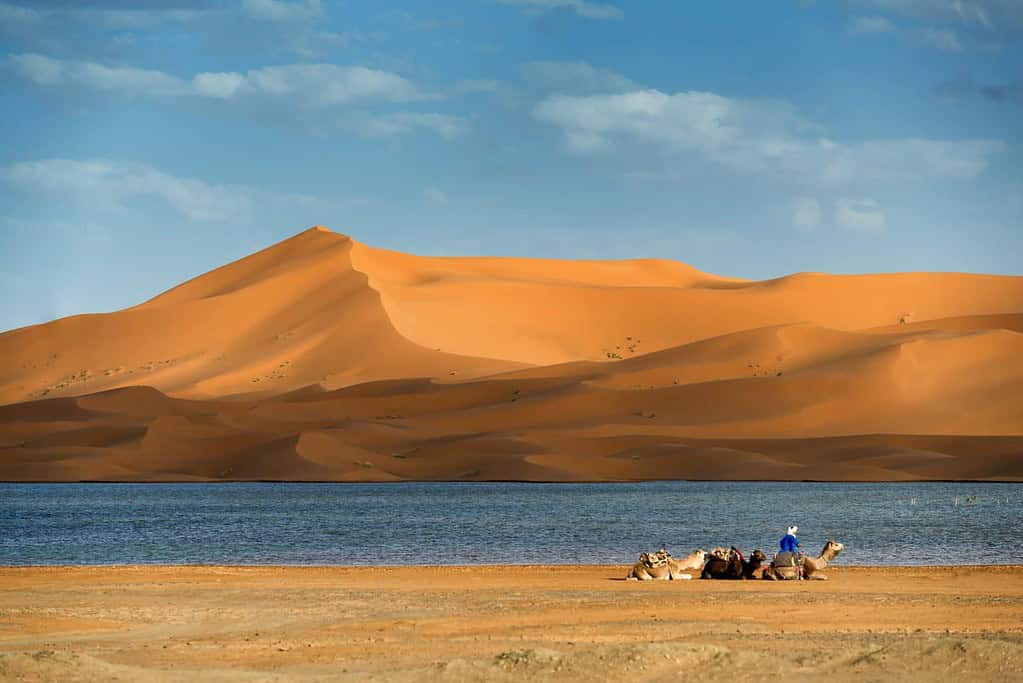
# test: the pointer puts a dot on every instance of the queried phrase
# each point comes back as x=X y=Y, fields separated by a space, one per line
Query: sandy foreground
x=504 y=623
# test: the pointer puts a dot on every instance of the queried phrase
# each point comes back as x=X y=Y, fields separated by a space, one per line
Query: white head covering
x=793 y=529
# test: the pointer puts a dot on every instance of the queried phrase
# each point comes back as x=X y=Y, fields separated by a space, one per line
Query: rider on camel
x=789 y=543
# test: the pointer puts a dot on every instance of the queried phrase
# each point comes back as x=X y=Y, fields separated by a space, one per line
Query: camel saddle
x=787 y=565
x=658 y=559
x=785 y=560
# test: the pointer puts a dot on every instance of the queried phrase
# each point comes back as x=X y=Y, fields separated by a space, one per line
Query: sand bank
x=504 y=623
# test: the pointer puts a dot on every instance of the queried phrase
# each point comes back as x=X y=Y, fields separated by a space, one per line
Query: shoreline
x=835 y=566
x=396 y=482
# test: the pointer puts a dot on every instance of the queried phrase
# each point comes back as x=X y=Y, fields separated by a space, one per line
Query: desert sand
x=505 y=623
x=321 y=358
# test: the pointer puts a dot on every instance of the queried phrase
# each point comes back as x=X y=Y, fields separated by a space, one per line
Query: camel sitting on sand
x=755 y=567
x=723 y=564
x=730 y=564
x=663 y=567
x=812 y=566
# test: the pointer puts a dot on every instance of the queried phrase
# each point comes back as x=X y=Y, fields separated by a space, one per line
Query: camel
x=812 y=566
x=754 y=568
x=661 y=566
x=728 y=567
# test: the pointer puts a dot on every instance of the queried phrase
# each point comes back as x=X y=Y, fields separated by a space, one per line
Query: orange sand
x=505 y=623
x=322 y=358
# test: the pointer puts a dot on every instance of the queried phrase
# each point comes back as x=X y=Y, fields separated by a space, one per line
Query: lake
x=500 y=523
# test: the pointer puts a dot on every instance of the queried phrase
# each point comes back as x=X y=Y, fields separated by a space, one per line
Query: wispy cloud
x=982 y=13
x=393 y=124
x=575 y=77
x=806 y=213
x=589 y=10
x=14 y=15
x=113 y=184
x=993 y=92
x=47 y=72
x=945 y=40
x=751 y=136
x=279 y=10
x=348 y=94
x=305 y=85
x=276 y=26
x=860 y=215
x=866 y=26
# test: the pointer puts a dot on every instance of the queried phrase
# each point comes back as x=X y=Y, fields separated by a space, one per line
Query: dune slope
x=290 y=316
x=320 y=358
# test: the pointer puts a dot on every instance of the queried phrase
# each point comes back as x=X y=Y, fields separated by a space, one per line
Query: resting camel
x=754 y=568
x=723 y=564
x=662 y=566
x=812 y=566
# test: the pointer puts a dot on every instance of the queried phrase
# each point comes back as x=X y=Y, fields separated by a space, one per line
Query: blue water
x=455 y=523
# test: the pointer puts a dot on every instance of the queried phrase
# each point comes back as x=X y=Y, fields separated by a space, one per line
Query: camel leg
x=817 y=577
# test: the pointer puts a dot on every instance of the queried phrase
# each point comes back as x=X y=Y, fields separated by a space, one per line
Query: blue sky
x=146 y=142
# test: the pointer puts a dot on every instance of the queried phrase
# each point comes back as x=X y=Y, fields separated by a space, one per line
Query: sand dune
x=320 y=358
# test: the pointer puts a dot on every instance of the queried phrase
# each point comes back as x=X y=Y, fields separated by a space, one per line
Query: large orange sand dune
x=323 y=359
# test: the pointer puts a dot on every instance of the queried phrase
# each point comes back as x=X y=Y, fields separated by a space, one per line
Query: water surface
x=469 y=523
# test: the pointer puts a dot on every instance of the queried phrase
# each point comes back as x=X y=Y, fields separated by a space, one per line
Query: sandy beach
x=504 y=623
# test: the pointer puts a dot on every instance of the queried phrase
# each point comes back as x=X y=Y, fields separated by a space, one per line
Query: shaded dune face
x=320 y=358
x=291 y=316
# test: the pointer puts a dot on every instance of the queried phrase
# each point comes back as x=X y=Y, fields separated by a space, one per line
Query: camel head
x=758 y=555
x=832 y=549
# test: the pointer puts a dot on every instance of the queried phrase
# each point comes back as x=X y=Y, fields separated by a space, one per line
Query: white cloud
x=222 y=86
x=327 y=90
x=279 y=10
x=943 y=39
x=404 y=122
x=576 y=77
x=751 y=136
x=45 y=71
x=861 y=215
x=305 y=85
x=589 y=10
x=111 y=184
x=985 y=13
x=324 y=85
x=806 y=213
x=870 y=26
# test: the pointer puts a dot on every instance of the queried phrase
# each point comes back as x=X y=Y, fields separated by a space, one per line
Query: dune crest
x=323 y=358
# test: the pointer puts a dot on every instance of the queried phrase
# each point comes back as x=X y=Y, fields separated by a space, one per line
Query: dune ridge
x=320 y=358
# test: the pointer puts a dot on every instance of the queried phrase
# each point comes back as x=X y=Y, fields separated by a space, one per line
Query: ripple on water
x=499 y=523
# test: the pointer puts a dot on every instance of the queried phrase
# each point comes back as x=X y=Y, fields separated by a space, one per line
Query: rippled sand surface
x=504 y=623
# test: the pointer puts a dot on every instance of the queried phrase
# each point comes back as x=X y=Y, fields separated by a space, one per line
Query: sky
x=146 y=142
